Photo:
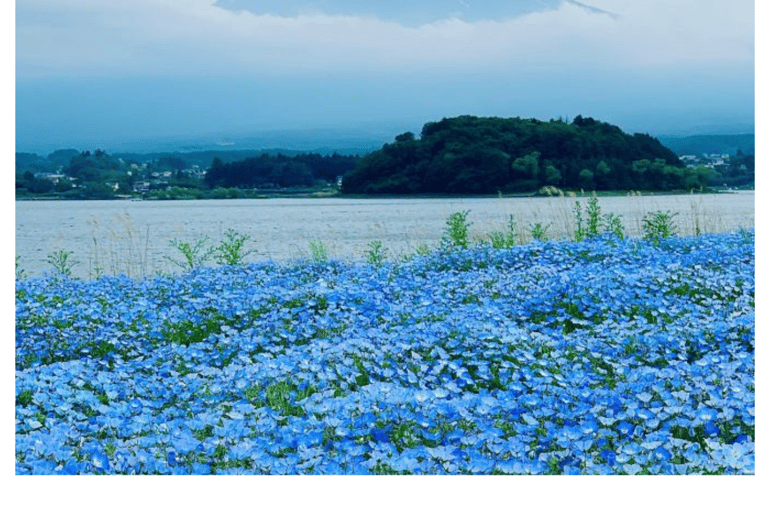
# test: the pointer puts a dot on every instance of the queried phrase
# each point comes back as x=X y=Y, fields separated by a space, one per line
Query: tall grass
x=558 y=211
x=121 y=248
x=118 y=246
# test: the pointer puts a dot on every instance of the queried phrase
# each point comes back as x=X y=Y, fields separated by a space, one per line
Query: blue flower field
x=604 y=356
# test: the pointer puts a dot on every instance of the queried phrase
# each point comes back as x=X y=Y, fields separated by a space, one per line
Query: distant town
x=73 y=174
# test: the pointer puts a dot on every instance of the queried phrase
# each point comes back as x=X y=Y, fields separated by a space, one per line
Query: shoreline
x=326 y=194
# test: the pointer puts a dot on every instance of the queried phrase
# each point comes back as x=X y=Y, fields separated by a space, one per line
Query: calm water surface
x=133 y=237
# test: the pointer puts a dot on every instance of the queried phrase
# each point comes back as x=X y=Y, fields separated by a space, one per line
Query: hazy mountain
x=701 y=144
x=346 y=141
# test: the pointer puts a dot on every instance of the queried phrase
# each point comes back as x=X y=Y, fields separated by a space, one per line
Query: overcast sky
x=92 y=72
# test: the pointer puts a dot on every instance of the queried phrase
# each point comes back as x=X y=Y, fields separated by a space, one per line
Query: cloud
x=403 y=12
x=197 y=37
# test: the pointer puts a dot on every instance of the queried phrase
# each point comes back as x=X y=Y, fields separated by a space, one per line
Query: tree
x=602 y=175
x=172 y=162
x=586 y=179
x=466 y=154
x=526 y=167
x=552 y=176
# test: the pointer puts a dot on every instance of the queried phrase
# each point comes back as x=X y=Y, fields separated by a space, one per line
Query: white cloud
x=194 y=37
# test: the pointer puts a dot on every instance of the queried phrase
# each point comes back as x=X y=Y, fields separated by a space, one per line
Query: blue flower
x=298 y=367
x=711 y=429
x=380 y=435
x=100 y=461
x=609 y=456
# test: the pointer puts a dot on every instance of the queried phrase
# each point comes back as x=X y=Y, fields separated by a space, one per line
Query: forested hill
x=486 y=155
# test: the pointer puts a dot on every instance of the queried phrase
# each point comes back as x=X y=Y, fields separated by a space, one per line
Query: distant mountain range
x=363 y=141
x=317 y=140
x=707 y=144
x=355 y=140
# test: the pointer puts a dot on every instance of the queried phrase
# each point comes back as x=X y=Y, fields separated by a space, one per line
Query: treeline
x=279 y=171
x=73 y=174
x=486 y=155
x=740 y=170
x=203 y=158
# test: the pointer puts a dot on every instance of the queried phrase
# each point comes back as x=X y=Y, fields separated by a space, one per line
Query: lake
x=133 y=237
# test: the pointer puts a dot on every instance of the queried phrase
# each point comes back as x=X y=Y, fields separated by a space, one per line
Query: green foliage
x=318 y=252
x=423 y=250
x=586 y=179
x=498 y=240
x=593 y=216
x=552 y=176
x=612 y=224
x=376 y=253
x=24 y=398
x=658 y=225
x=504 y=240
x=539 y=231
x=596 y=221
x=456 y=231
x=527 y=166
x=187 y=332
x=484 y=155
x=195 y=253
x=580 y=233
x=20 y=273
x=62 y=262
x=283 y=396
x=231 y=250
x=278 y=171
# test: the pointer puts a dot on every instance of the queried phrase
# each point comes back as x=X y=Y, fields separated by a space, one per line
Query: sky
x=101 y=73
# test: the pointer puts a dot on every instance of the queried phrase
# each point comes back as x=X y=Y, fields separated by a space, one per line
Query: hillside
x=486 y=155
x=708 y=144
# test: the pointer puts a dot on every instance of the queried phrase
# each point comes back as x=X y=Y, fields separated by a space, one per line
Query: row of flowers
x=599 y=357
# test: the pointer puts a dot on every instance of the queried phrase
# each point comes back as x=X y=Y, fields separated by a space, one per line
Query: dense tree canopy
x=268 y=171
x=482 y=155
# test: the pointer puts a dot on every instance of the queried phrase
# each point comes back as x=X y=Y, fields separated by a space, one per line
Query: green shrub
x=62 y=262
x=230 y=251
x=456 y=233
x=593 y=216
x=580 y=233
x=658 y=225
x=539 y=231
x=318 y=251
x=596 y=222
x=195 y=254
x=376 y=253
x=612 y=224
x=504 y=240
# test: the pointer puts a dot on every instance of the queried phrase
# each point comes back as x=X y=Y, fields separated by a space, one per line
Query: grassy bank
x=118 y=245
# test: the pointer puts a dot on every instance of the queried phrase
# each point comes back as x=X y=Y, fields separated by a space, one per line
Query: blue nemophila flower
x=625 y=428
x=99 y=460
x=706 y=414
x=711 y=429
x=609 y=456
x=493 y=360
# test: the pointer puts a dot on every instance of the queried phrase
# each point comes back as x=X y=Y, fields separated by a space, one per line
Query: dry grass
x=118 y=246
